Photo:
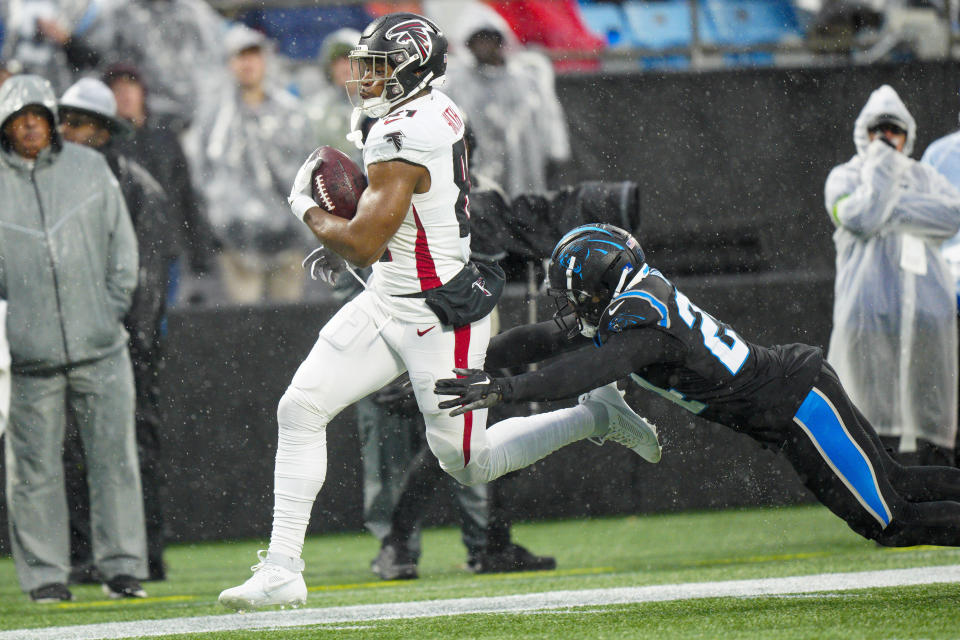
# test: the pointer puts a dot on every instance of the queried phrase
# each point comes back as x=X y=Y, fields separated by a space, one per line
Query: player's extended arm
x=573 y=374
x=380 y=211
x=530 y=343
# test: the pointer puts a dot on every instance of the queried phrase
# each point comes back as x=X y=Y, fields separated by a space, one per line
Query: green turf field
x=594 y=554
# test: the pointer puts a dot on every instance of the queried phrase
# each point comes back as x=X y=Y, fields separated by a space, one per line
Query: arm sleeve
x=122 y=258
x=529 y=343
x=589 y=367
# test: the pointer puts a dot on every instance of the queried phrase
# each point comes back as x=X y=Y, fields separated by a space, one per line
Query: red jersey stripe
x=461 y=350
x=426 y=268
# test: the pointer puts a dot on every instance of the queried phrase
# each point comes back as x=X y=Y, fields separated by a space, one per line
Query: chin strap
x=623 y=280
x=356 y=135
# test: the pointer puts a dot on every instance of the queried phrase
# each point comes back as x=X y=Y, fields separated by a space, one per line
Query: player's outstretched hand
x=323 y=264
x=475 y=390
x=301 y=194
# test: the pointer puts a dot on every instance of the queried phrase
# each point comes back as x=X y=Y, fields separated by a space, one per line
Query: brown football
x=337 y=182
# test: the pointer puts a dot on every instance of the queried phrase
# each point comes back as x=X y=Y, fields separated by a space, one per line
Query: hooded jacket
x=894 y=339
x=513 y=110
x=68 y=253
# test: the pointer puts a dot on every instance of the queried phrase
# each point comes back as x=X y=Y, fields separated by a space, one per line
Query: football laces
x=321 y=189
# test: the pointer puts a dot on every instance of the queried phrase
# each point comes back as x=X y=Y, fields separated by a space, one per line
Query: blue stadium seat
x=749 y=22
x=607 y=21
x=659 y=25
x=665 y=63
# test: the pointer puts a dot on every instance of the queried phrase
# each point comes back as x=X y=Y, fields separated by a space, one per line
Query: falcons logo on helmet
x=413 y=32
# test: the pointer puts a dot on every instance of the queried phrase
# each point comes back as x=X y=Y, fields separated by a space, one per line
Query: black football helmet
x=589 y=266
x=406 y=51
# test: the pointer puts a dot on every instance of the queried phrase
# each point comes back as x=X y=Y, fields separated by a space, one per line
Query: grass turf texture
x=591 y=554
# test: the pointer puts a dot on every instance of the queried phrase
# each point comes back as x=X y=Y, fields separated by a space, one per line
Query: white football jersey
x=433 y=242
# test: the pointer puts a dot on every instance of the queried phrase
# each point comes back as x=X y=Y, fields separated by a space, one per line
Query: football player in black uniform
x=619 y=317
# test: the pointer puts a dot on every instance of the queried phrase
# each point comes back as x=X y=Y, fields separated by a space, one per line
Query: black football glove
x=476 y=390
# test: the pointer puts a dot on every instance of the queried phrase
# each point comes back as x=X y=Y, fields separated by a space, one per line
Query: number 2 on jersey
x=731 y=355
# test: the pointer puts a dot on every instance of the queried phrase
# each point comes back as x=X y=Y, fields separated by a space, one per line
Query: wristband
x=300 y=204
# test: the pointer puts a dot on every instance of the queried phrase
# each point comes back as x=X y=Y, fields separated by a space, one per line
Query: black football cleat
x=394 y=563
x=50 y=593
x=512 y=558
x=124 y=586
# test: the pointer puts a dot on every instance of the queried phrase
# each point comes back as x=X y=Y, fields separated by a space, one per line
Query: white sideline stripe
x=498 y=604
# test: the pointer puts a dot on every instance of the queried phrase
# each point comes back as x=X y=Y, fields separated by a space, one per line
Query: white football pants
x=361 y=349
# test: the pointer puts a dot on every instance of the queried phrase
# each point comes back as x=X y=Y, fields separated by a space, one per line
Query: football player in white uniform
x=425 y=308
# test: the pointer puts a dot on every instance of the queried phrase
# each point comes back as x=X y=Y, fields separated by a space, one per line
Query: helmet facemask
x=367 y=68
x=584 y=307
x=589 y=267
x=370 y=67
x=571 y=297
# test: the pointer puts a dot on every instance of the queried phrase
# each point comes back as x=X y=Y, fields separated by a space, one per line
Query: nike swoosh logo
x=613 y=310
x=421 y=333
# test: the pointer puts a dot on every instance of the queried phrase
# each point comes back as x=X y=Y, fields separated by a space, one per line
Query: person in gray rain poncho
x=894 y=339
x=244 y=150
x=509 y=98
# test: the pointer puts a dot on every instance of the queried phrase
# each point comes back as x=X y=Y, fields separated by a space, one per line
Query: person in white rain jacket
x=894 y=339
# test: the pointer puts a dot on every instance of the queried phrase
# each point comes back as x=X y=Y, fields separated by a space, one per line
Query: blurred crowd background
x=230 y=88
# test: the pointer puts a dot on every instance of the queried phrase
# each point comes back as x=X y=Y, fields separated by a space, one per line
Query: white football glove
x=301 y=194
x=324 y=264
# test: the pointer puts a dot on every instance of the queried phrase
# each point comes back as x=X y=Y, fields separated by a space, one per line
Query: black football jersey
x=713 y=372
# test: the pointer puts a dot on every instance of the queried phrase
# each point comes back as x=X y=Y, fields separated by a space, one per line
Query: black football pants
x=841 y=459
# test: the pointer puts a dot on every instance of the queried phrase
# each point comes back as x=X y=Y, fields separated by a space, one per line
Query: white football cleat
x=270 y=584
x=623 y=424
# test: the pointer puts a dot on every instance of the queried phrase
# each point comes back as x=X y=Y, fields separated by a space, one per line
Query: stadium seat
x=659 y=25
x=749 y=22
x=607 y=21
x=665 y=63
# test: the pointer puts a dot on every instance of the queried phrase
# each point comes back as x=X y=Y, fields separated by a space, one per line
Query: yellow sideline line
x=919 y=547
x=124 y=602
x=806 y=556
x=759 y=559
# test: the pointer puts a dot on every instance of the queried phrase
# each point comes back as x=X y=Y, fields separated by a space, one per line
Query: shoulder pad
x=631 y=310
x=402 y=136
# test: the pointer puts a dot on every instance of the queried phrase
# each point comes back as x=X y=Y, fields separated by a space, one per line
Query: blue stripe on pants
x=819 y=419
